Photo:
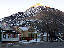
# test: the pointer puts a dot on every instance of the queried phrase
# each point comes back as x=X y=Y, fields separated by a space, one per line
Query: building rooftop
x=24 y=28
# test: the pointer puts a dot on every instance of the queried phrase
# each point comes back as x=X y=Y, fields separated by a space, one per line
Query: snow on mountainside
x=17 y=18
x=35 y=17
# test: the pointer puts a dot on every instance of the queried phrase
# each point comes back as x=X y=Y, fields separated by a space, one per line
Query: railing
x=10 y=39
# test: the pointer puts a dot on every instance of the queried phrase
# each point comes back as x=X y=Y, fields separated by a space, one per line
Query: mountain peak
x=37 y=4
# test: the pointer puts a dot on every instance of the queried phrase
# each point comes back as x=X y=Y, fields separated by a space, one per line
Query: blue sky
x=8 y=7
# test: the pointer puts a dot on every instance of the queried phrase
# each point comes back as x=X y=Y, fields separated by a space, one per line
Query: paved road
x=38 y=45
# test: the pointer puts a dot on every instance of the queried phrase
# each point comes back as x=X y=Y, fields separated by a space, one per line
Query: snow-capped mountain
x=37 y=17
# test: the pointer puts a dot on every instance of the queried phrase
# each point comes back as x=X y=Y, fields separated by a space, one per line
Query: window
x=4 y=36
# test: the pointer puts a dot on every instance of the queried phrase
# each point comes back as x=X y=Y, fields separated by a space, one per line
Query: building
x=9 y=35
x=0 y=34
x=28 y=34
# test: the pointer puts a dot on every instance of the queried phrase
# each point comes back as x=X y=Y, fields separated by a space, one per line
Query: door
x=0 y=37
